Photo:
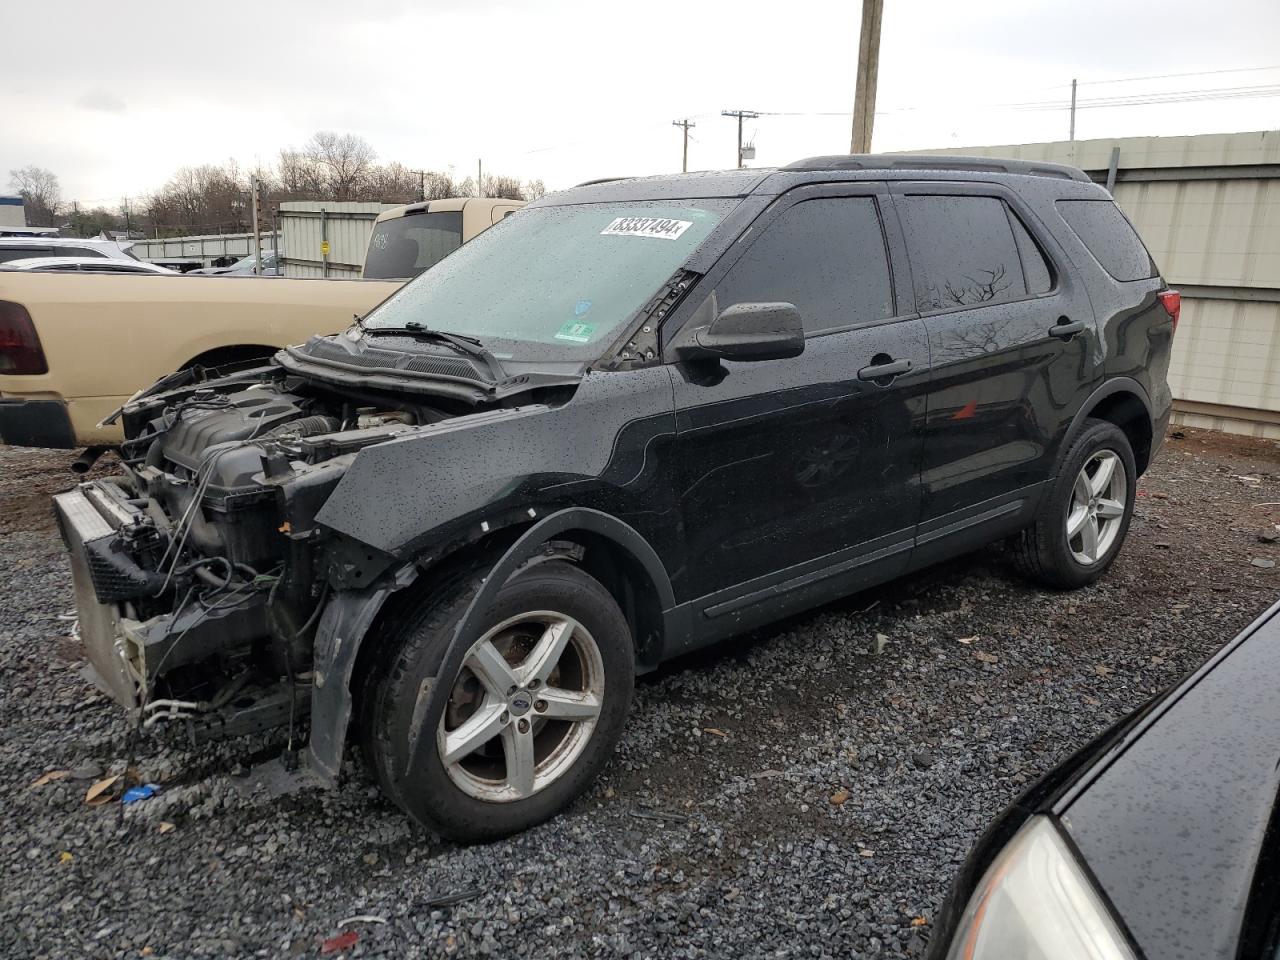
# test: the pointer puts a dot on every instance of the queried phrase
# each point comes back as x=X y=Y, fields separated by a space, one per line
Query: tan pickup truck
x=74 y=346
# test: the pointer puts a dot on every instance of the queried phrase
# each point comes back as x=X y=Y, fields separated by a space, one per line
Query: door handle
x=884 y=369
x=1065 y=329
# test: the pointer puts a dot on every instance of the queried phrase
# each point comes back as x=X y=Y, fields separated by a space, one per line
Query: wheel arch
x=605 y=547
x=1123 y=402
x=231 y=353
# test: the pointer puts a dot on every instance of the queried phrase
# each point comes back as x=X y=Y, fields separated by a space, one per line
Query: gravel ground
x=804 y=792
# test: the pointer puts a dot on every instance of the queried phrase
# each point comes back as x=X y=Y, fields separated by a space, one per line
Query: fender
x=1106 y=389
x=605 y=444
x=349 y=615
x=343 y=625
x=434 y=693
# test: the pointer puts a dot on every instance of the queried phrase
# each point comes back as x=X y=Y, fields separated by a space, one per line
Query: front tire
x=532 y=717
x=1084 y=518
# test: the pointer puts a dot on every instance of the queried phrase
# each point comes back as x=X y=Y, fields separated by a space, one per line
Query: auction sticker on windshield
x=577 y=332
x=659 y=227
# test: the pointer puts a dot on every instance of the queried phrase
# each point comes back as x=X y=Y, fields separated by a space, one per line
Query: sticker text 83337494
x=659 y=227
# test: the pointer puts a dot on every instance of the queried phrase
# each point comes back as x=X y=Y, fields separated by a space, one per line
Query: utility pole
x=686 y=123
x=741 y=115
x=257 y=235
x=864 y=96
x=422 y=184
x=1072 y=134
x=480 y=177
x=125 y=205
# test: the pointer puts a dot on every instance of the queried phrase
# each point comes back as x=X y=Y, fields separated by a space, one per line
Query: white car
x=244 y=267
x=22 y=248
x=86 y=265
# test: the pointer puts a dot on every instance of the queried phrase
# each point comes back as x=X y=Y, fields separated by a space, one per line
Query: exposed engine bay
x=200 y=572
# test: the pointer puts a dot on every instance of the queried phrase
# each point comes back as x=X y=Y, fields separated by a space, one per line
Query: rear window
x=1110 y=238
x=404 y=247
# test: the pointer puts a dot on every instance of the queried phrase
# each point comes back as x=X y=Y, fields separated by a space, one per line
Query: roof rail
x=592 y=183
x=1030 y=168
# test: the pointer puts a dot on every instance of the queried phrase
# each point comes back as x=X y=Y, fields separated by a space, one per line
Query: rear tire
x=533 y=715
x=1083 y=520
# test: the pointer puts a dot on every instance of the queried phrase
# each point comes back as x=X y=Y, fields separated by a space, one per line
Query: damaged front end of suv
x=201 y=571
x=423 y=530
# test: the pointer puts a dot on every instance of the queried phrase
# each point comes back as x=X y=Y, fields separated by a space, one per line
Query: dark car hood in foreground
x=1173 y=828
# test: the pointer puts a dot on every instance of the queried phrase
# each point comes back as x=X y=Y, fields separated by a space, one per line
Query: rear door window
x=1110 y=238
x=963 y=251
x=23 y=253
x=826 y=256
x=404 y=247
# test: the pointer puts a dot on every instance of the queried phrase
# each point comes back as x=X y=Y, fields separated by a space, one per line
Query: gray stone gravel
x=714 y=831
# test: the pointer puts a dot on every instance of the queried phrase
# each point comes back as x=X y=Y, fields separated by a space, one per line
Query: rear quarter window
x=1110 y=238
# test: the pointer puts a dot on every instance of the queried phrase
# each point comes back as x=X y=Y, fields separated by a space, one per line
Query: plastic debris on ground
x=144 y=792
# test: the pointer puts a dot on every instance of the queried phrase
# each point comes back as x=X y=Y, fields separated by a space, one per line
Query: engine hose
x=304 y=427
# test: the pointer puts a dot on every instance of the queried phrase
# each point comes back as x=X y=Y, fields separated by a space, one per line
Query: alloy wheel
x=1095 y=514
x=523 y=707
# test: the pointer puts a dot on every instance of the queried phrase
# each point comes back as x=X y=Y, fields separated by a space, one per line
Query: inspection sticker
x=577 y=332
x=660 y=227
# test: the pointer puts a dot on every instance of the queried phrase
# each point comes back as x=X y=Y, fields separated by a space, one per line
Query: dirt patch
x=30 y=476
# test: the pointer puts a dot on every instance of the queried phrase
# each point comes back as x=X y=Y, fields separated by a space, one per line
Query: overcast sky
x=114 y=97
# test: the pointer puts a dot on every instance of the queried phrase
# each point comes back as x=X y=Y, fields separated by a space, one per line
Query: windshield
x=555 y=282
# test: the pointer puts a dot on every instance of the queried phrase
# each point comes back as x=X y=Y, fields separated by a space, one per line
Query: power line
x=1139 y=99
x=1171 y=96
x=1170 y=76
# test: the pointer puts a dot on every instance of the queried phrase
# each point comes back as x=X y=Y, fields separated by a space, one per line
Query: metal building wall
x=1208 y=208
x=206 y=248
x=305 y=226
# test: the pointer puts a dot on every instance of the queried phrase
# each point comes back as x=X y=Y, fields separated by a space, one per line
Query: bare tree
x=439 y=186
x=499 y=185
x=41 y=195
x=298 y=176
x=392 y=183
x=203 y=199
x=331 y=166
x=345 y=157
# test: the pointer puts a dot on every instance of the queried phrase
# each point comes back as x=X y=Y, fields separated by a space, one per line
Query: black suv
x=636 y=417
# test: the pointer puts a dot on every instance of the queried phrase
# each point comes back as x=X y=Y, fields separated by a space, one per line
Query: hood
x=1173 y=828
x=410 y=364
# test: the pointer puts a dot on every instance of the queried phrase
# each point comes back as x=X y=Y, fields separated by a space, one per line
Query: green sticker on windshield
x=577 y=332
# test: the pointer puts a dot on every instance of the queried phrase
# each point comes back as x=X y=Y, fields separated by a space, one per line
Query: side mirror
x=746 y=332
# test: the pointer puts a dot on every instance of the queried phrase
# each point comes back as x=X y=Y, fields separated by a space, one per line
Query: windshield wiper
x=460 y=342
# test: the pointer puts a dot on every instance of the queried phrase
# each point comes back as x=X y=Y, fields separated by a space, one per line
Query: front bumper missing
x=125 y=654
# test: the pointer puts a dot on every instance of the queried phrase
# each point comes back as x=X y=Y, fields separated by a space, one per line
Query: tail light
x=1171 y=300
x=20 y=350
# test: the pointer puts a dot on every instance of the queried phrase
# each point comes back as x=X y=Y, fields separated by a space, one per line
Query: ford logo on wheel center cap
x=520 y=703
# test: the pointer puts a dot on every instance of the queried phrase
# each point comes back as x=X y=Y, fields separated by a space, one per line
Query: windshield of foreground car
x=555 y=282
